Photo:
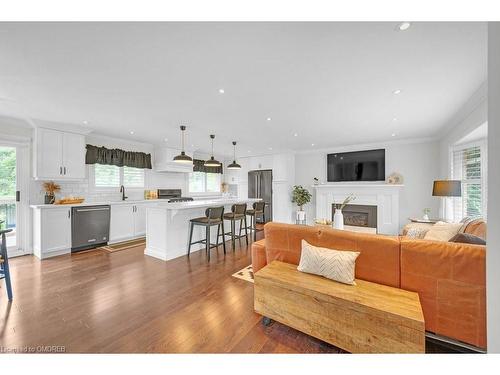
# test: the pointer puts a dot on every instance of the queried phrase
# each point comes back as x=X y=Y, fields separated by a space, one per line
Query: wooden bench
x=362 y=318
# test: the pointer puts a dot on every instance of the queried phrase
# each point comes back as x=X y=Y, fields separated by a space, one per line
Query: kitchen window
x=202 y=182
x=111 y=176
x=469 y=166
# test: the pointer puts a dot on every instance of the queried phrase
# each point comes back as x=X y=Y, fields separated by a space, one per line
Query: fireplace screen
x=359 y=215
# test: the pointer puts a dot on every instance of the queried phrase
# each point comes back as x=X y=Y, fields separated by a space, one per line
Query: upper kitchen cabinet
x=58 y=155
x=164 y=161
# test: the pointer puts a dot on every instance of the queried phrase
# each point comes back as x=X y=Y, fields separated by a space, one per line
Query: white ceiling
x=331 y=83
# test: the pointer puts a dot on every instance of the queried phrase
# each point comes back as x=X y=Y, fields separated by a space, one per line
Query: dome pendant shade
x=212 y=162
x=182 y=157
x=234 y=165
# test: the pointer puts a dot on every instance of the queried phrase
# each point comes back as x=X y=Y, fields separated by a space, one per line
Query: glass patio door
x=8 y=193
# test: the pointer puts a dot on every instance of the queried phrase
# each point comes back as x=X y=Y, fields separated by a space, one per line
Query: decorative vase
x=426 y=217
x=300 y=217
x=338 y=219
x=49 y=198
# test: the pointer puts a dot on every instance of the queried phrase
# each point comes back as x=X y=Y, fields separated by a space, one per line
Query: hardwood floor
x=127 y=302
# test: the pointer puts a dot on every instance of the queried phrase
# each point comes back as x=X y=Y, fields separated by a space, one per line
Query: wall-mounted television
x=356 y=166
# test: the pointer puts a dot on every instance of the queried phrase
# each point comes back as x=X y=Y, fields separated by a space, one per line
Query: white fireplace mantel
x=384 y=196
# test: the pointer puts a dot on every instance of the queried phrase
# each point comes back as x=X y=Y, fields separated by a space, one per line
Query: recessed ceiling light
x=394 y=119
x=393 y=134
x=166 y=139
x=312 y=144
x=295 y=135
x=132 y=133
x=221 y=91
x=85 y=122
x=192 y=145
x=269 y=119
x=397 y=92
x=270 y=148
x=249 y=151
x=404 y=26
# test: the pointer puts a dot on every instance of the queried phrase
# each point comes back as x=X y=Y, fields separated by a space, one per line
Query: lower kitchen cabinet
x=127 y=221
x=51 y=232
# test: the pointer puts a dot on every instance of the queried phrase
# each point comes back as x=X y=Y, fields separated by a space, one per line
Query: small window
x=110 y=176
x=106 y=175
x=201 y=182
x=133 y=177
x=469 y=167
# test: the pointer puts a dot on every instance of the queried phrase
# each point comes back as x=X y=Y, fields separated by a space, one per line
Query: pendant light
x=234 y=165
x=212 y=162
x=182 y=157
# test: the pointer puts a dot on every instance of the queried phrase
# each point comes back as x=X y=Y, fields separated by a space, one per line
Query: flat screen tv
x=356 y=166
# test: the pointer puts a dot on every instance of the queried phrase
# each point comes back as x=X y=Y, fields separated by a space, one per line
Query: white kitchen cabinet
x=128 y=221
x=140 y=220
x=51 y=232
x=164 y=161
x=122 y=222
x=58 y=155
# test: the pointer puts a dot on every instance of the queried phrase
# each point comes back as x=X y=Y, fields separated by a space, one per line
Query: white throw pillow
x=332 y=264
x=442 y=231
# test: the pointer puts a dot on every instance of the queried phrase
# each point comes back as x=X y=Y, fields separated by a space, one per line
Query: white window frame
x=205 y=193
x=483 y=145
x=93 y=187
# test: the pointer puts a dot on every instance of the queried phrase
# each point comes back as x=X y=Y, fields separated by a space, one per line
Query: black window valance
x=199 y=166
x=120 y=158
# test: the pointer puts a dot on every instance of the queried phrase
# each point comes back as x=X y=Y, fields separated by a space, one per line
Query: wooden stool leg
x=217 y=241
x=190 y=237
x=254 y=218
x=223 y=237
x=246 y=230
x=233 y=225
x=6 y=270
x=207 y=242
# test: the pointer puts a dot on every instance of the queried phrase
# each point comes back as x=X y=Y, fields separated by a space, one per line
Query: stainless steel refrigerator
x=260 y=185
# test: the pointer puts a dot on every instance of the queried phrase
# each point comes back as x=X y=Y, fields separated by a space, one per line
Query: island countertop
x=204 y=203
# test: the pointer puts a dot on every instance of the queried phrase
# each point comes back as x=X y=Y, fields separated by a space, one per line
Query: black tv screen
x=356 y=166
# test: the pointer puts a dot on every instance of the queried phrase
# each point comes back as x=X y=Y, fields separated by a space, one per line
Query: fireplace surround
x=385 y=197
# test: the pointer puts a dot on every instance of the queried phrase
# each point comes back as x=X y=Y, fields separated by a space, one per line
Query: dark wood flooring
x=126 y=302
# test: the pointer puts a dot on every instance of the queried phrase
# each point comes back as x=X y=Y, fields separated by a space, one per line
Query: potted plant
x=50 y=189
x=338 y=217
x=301 y=197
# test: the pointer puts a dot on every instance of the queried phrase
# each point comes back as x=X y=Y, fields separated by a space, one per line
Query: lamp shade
x=447 y=188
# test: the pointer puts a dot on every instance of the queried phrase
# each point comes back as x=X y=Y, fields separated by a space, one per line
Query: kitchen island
x=167 y=226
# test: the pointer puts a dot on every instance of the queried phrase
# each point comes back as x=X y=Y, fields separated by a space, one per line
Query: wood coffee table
x=362 y=318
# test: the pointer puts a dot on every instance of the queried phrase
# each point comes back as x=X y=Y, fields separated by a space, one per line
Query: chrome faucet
x=122 y=190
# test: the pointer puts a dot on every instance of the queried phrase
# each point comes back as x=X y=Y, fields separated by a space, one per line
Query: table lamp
x=445 y=189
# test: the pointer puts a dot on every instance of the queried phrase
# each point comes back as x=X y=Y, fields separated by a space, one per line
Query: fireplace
x=359 y=215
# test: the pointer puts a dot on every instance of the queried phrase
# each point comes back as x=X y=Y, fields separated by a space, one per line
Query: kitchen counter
x=149 y=201
x=167 y=226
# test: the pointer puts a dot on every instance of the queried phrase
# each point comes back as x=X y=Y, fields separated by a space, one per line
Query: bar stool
x=213 y=216
x=4 y=263
x=238 y=213
x=258 y=210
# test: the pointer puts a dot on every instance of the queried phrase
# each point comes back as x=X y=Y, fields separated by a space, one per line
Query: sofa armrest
x=450 y=279
x=259 y=255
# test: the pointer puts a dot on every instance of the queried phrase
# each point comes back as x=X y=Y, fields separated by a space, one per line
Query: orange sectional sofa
x=450 y=278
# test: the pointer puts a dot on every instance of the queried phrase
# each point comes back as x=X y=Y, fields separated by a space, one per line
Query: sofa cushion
x=442 y=231
x=476 y=227
x=332 y=264
x=468 y=238
x=378 y=260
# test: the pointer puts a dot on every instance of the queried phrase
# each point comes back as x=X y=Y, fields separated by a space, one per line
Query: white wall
x=493 y=240
x=416 y=162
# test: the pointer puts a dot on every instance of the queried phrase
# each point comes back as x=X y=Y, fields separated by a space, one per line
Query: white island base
x=167 y=226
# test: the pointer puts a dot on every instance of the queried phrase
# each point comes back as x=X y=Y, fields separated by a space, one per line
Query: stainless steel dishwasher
x=89 y=227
